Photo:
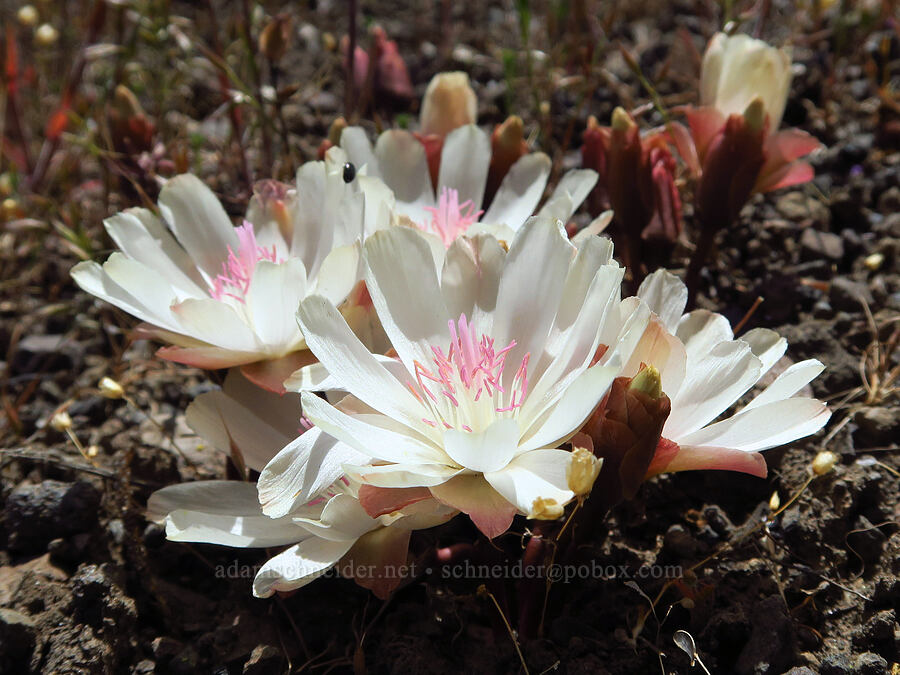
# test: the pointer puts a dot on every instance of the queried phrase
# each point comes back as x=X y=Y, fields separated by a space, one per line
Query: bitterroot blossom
x=225 y=296
x=637 y=181
x=401 y=161
x=331 y=530
x=494 y=371
x=705 y=370
x=734 y=148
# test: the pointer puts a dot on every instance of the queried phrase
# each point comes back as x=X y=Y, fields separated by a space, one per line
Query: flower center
x=237 y=270
x=464 y=387
x=449 y=218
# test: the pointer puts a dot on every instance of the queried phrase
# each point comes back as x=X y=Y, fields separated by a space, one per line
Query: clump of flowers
x=408 y=341
x=733 y=147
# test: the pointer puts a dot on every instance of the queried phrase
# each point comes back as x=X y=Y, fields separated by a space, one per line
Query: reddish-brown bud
x=626 y=428
x=732 y=162
x=275 y=38
x=507 y=146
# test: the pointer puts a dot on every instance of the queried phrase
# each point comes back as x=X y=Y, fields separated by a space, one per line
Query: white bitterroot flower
x=318 y=534
x=495 y=369
x=704 y=371
x=738 y=69
x=399 y=160
x=225 y=296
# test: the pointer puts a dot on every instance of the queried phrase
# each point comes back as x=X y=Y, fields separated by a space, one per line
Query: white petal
x=767 y=345
x=359 y=151
x=471 y=276
x=219 y=512
x=258 y=422
x=530 y=290
x=401 y=475
x=342 y=519
x=465 y=158
x=298 y=565
x=700 y=331
x=198 y=221
x=404 y=168
x=520 y=191
x=351 y=364
x=218 y=324
x=484 y=451
x=143 y=237
x=767 y=426
x=148 y=287
x=788 y=383
x=666 y=295
x=403 y=283
x=372 y=441
x=556 y=423
x=533 y=475
x=339 y=273
x=572 y=190
x=302 y=470
x=273 y=298
x=710 y=386
x=92 y=279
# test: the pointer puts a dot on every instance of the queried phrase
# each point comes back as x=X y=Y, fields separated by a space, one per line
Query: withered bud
x=27 y=16
x=111 y=389
x=824 y=462
x=46 y=35
x=583 y=471
x=546 y=509
x=61 y=421
x=774 y=502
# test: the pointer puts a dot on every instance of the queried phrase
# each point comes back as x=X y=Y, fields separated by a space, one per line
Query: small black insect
x=349 y=172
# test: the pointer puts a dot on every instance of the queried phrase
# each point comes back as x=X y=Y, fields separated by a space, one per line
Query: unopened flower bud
x=545 y=509
x=275 y=37
x=109 y=388
x=27 y=16
x=329 y=42
x=774 y=501
x=824 y=462
x=61 y=421
x=449 y=103
x=648 y=381
x=92 y=451
x=583 y=471
x=7 y=186
x=621 y=120
x=336 y=129
x=755 y=114
x=46 y=35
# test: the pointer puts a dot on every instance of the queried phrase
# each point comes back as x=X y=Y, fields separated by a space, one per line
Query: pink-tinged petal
x=791 y=144
x=705 y=123
x=670 y=458
x=378 y=501
x=376 y=559
x=472 y=495
x=679 y=136
x=208 y=357
x=270 y=375
x=786 y=176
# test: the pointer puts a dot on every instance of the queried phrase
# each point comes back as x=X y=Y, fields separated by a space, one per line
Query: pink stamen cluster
x=237 y=270
x=449 y=218
x=473 y=366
